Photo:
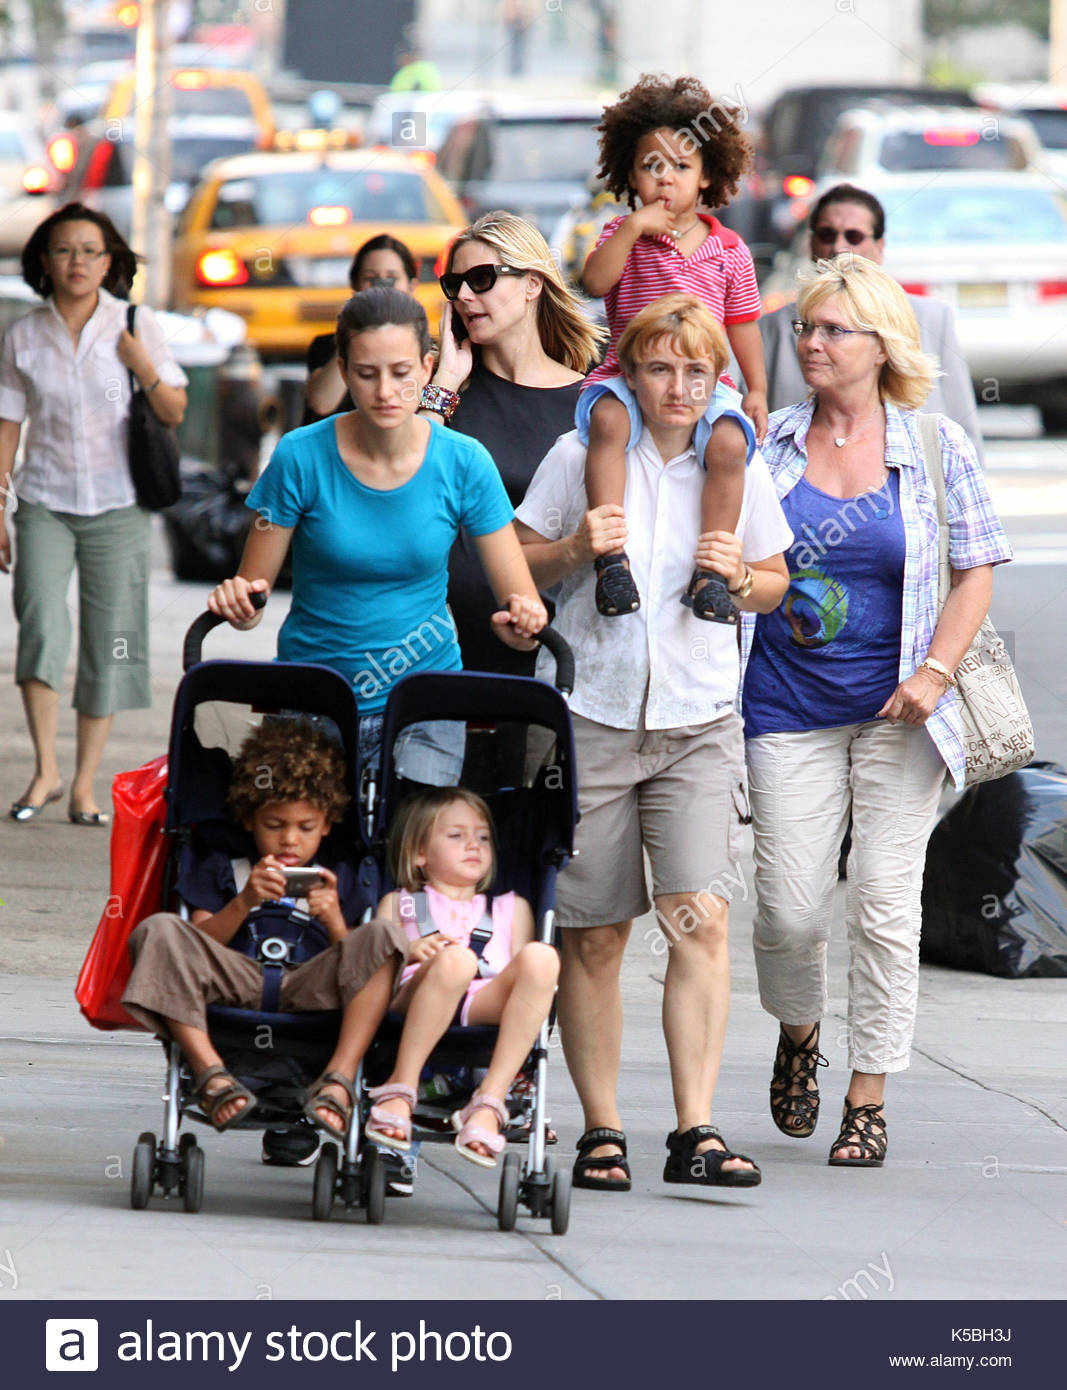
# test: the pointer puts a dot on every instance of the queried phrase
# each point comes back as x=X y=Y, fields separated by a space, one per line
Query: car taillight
x=442 y=261
x=36 y=179
x=97 y=166
x=1051 y=289
x=62 y=151
x=129 y=16
x=797 y=186
x=221 y=267
x=951 y=137
x=914 y=288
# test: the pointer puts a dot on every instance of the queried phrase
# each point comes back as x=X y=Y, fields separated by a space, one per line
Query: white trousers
x=802 y=788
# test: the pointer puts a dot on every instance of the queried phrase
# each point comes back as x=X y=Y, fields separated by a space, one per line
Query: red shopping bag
x=138 y=857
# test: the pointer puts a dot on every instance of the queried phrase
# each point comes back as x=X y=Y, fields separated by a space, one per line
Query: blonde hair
x=566 y=334
x=691 y=328
x=414 y=824
x=874 y=301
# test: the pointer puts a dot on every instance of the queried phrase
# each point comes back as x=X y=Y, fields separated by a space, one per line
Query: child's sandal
x=380 y=1119
x=616 y=592
x=470 y=1133
x=316 y=1099
x=710 y=602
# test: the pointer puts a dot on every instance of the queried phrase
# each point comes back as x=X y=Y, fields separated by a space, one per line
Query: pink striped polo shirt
x=719 y=272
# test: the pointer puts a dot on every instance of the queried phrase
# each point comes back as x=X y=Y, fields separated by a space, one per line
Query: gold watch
x=745 y=587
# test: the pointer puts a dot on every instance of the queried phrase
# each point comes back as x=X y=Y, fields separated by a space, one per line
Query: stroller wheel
x=187 y=1141
x=374 y=1174
x=507 y=1206
x=147 y=1137
x=141 y=1175
x=192 y=1161
x=325 y=1183
x=561 y=1201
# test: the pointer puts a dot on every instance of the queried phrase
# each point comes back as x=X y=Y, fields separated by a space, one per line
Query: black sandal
x=705 y=1169
x=711 y=602
x=863 y=1128
x=805 y=1106
x=616 y=592
x=592 y=1139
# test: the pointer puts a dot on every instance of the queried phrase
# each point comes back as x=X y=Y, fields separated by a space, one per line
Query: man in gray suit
x=847 y=218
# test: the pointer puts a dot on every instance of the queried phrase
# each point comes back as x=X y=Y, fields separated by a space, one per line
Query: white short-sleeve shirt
x=688 y=668
x=77 y=401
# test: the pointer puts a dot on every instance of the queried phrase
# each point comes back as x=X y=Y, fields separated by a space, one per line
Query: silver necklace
x=841 y=440
x=676 y=234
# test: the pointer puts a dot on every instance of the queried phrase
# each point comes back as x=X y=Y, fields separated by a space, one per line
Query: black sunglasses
x=828 y=235
x=481 y=278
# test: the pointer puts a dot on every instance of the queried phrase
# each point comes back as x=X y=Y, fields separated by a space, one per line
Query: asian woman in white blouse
x=65 y=369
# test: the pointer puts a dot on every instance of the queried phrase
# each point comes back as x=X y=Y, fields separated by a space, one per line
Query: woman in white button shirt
x=65 y=368
x=660 y=754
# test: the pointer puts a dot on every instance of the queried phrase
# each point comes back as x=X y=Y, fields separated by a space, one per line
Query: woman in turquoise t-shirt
x=372 y=501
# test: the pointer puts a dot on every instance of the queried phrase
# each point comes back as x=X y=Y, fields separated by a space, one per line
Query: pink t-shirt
x=457 y=920
x=719 y=272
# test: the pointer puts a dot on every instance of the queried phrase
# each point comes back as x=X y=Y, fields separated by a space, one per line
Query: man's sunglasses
x=481 y=278
x=828 y=235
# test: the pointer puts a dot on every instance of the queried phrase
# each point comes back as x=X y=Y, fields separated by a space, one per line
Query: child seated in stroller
x=472 y=960
x=287 y=790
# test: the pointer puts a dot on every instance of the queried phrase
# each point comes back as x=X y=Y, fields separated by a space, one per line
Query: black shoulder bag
x=153 y=449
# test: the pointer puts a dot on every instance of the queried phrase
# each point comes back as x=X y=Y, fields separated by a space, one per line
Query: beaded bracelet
x=440 y=400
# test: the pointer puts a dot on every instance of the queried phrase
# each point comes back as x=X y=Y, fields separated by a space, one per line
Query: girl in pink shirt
x=472 y=960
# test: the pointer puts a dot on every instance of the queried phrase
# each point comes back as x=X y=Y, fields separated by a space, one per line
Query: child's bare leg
x=359 y=1023
x=605 y=485
x=439 y=987
x=518 y=999
x=720 y=510
x=198 y=1052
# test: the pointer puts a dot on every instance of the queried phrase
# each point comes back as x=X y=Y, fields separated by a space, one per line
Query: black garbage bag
x=995 y=891
x=207 y=526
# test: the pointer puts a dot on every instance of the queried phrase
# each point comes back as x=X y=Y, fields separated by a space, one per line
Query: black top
x=518 y=425
x=321 y=350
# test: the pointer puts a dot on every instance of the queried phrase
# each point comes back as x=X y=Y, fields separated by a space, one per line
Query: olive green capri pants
x=111 y=554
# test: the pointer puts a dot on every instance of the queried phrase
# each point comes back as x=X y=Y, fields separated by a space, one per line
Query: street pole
x=150 y=113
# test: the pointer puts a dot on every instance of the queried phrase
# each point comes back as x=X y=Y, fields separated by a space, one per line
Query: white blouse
x=77 y=400
x=687 y=670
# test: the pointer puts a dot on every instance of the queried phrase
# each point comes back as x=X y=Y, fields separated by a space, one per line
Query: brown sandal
x=315 y=1100
x=863 y=1128
x=211 y=1102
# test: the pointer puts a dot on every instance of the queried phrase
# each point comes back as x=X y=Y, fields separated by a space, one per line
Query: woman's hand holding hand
x=720 y=551
x=517 y=624
x=602 y=531
x=5 y=547
x=230 y=600
x=427 y=947
x=455 y=360
x=133 y=354
x=266 y=882
x=914 y=700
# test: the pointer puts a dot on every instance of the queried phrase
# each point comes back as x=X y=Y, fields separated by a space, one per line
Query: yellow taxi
x=271 y=236
x=204 y=93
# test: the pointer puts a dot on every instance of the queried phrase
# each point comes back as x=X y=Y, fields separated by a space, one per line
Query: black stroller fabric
x=995 y=891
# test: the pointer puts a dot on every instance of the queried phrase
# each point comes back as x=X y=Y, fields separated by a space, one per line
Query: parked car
x=794 y=130
x=994 y=247
x=531 y=158
x=271 y=236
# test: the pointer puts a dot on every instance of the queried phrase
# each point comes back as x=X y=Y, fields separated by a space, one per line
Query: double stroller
x=517 y=753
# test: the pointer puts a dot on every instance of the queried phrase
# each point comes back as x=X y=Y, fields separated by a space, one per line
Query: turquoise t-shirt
x=370 y=567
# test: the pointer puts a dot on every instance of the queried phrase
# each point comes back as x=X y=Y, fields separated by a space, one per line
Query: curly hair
x=124 y=262
x=288 y=760
x=684 y=105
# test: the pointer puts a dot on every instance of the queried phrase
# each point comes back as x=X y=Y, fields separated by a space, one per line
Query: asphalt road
x=971 y=1204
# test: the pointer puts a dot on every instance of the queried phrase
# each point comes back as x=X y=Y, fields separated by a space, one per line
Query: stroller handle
x=560 y=648
x=194 y=638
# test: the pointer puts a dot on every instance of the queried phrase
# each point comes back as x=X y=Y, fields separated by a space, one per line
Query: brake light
x=797 y=186
x=35 y=179
x=189 y=81
x=1051 y=289
x=914 y=288
x=220 y=267
x=63 y=152
x=129 y=16
x=97 y=166
x=329 y=216
x=959 y=138
x=441 y=263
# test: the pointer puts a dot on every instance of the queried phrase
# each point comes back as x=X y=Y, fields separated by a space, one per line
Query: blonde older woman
x=848 y=699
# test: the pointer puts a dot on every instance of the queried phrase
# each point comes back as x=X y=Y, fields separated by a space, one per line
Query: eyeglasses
x=67 y=253
x=832 y=332
x=826 y=236
x=481 y=278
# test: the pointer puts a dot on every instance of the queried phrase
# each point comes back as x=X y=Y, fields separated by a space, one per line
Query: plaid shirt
x=976 y=536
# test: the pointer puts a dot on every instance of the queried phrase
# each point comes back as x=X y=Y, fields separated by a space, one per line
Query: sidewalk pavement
x=972 y=1202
